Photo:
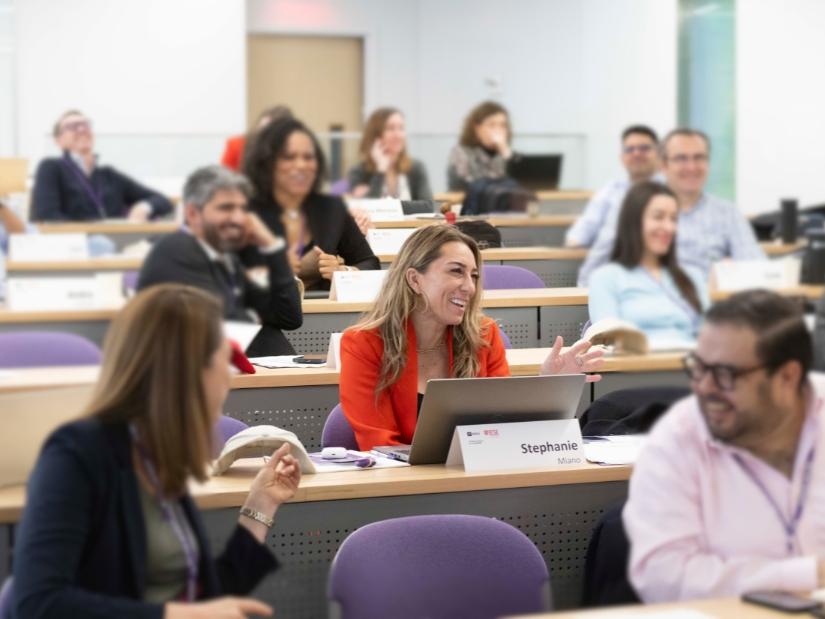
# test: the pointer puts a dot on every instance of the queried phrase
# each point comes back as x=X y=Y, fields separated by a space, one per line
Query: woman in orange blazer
x=233 y=151
x=427 y=323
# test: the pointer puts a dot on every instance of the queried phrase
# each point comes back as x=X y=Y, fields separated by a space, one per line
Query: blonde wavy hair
x=397 y=301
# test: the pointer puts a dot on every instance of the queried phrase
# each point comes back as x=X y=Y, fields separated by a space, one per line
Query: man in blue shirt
x=75 y=188
x=710 y=228
x=641 y=160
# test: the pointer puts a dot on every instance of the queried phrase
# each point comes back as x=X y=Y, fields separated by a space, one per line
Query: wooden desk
x=810 y=292
x=73 y=267
x=556 y=202
x=121 y=232
x=556 y=508
x=300 y=400
x=517 y=230
x=728 y=608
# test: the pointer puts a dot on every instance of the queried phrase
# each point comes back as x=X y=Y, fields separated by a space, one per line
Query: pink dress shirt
x=700 y=525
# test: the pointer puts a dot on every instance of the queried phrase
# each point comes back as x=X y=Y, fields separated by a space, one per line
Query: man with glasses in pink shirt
x=728 y=494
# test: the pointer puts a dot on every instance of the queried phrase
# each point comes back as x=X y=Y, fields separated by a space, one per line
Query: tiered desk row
x=556 y=509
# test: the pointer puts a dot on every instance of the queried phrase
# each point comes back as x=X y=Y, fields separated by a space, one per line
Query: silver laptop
x=451 y=402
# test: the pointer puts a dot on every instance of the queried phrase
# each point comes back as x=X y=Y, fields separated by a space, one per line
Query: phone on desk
x=779 y=600
x=313 y=359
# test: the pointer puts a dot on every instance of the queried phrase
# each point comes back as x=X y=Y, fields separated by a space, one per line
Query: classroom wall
x=171 y=75
x=780 y=105
x=579 y=68
x=142 y=67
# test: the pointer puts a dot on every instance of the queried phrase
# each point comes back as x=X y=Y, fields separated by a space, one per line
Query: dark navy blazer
x=81 y=544
x=62 y=192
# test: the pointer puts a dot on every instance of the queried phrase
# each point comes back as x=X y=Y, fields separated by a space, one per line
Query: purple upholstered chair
x=337 y=431
x=130 y=281
x=226 y=428
x=444 y=566
x=6 y=596
x=30 y=349
x=503 y=276
x=339 y=187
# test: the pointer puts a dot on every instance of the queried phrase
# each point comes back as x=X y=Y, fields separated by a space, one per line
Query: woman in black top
x=286 y=167
x=109 y=529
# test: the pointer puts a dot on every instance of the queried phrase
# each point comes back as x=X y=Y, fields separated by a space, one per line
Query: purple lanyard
x=87 y=186
x=692 y=314
x=299 y=246
x=173 y=517
x=790 y=526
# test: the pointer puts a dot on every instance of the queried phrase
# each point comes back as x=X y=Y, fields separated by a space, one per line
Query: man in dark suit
x=204 y=255
x=75 y=188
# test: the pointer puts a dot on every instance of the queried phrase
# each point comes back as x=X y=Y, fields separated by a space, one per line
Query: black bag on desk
x=485 y=234
x=495 y=195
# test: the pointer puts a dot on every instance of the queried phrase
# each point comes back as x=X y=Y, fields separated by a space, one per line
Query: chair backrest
x=438 y=567
x=130 y=282
x=337 y=430
x=503 y=276
x=226 y=428
x=28 y=349
x=339 y=187
x=13 y=174
x=6 y=597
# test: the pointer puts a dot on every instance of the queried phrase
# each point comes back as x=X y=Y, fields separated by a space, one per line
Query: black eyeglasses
x=724 y=376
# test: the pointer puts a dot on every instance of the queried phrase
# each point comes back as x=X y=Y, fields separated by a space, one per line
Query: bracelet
x=257 y=516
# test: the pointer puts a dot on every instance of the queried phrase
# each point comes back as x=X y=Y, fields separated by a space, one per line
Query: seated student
x=728 y=493
x=75 y=188
x=427 y=323
x=109 y=529
x=385 y=169
x=10 y=223
x=641 y=161
x=643 y=283
x=204 y=255
x=235 y=146
x=483 y=150
x=710 y=228
x=286 y=167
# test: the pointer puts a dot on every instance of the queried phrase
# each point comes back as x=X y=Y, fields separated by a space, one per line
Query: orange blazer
x=390 y=418
x=233 y=152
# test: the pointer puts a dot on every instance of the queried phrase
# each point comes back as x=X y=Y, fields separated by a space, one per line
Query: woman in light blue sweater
x=643 y=283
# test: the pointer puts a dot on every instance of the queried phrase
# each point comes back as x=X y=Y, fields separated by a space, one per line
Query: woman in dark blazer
x=109 y=529
x=286 y=167
x=386 y=170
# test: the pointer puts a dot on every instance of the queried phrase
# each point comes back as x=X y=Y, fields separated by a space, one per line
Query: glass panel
x=707 y=83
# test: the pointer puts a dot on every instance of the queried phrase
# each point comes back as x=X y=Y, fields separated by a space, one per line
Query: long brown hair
x=374 y=130
x=397 y=301
x=476 y=117
x=629 y=246
x=153 y=357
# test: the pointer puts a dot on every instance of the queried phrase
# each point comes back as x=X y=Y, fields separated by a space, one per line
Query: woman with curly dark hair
x=286 y=167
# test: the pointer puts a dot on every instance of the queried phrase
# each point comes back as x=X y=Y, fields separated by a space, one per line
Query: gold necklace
x=434 y=349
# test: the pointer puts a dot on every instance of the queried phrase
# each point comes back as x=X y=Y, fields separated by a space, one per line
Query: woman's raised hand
x=579 y=358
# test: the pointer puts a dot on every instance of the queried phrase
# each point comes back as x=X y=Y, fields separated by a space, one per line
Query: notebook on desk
x=451 y=402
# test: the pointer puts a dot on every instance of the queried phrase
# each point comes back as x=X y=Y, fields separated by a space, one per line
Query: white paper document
x=354 y=461
x=282 y=361
x=613 y=449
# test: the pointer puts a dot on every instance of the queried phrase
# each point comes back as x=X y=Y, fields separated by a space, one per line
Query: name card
x=744 y=274
x=383 y=209
x=388 y=240
x=522 y=445
x=64 y=293
x=334 y=352
x=356 y=286
x=48 y=247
